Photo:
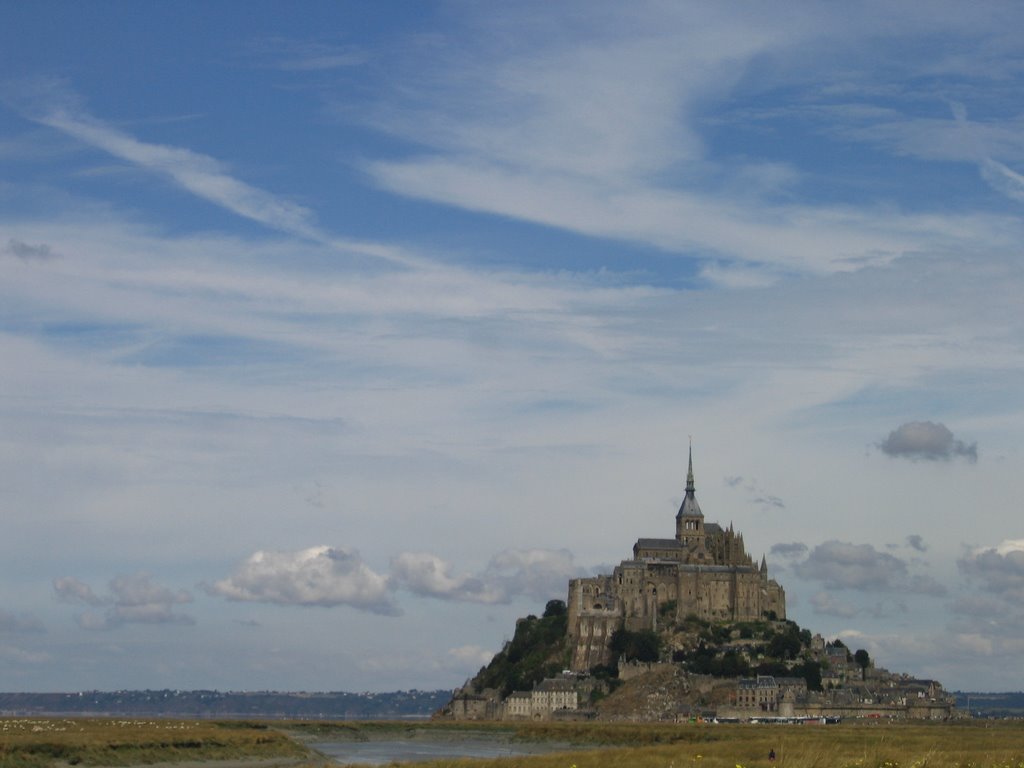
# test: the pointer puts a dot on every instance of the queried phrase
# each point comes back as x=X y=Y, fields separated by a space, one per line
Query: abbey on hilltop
x=704 y=571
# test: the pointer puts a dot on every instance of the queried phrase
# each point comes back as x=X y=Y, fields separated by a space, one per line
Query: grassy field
x=983 y=744
x=875 y=745
x=36 y=742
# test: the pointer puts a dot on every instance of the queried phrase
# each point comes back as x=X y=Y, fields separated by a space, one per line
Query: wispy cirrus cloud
x=609 y=143
x=199 y=174
x=301 y=56
x=53 y=103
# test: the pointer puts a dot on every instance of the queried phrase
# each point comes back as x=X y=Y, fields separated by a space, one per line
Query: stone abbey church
x=704 y=571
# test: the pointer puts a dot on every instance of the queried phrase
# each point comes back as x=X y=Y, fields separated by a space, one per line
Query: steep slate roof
x=689 y=507
x=658 y=544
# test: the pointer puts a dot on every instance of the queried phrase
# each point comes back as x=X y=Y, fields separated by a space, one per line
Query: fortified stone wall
x=705 y=571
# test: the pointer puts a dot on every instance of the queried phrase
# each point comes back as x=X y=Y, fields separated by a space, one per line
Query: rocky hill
x=537 y=650
x=689 y=667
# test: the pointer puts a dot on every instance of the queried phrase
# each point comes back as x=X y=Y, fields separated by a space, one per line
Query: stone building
x=549 y=696
x=759 y=693
x=704 y=571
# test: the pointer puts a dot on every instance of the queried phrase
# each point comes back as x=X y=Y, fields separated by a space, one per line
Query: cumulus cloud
x=71 y=590
x=791 y=550
x=26 y=252
x=537 y=573
x=926 y=440
x=915 y=541
x=323 y=576
x=428 y=575
x=21 y=623
x=841 y=565
x=133 y=599
x=327 y=576
x=1000 y=569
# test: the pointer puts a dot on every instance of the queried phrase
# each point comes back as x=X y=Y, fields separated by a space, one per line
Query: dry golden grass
x=849 y=745
x=36 y=742
x=39 y=742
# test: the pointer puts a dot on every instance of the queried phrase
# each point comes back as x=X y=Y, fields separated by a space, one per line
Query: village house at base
x=704 y=571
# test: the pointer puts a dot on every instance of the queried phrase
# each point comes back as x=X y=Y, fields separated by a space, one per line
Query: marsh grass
x=37 y=742
x=849 y=745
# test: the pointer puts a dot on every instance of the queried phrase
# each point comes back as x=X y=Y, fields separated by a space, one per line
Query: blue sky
x=335 y=339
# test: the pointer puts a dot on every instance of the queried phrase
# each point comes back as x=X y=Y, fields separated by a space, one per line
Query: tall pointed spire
x=689 y=507
x=689 y=518
x=689 y=472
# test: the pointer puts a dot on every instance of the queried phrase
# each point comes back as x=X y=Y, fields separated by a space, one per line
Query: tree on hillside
x=554 y=608
x=644 y=645
x=811 y=672
x=535 y=651
x=785 y=644
x=863 y=661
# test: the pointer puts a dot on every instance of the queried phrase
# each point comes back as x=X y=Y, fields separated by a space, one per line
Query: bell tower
x=689 y=518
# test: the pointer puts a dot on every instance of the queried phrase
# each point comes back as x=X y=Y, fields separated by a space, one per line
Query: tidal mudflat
x=427 y=746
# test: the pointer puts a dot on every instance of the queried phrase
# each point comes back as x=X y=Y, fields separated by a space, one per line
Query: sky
x=335 y=337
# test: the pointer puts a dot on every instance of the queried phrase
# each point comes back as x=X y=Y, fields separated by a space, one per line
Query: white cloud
x=926 y=440
x=841 y=565
x=306 y=56
x=70 y=589
x=791 y=550
x=541 y=574
x=608 y=140
x=318 y=576
x=197 y=173
x=133 y=599
x=797 y=312
x=916 y=541
x=1004 y=179
x=428 y=575
x=999 y=569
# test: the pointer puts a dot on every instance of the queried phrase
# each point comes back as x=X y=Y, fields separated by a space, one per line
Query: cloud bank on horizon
x=335 y=341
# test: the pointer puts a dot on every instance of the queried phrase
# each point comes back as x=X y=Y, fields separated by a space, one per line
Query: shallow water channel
x=439 y=746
